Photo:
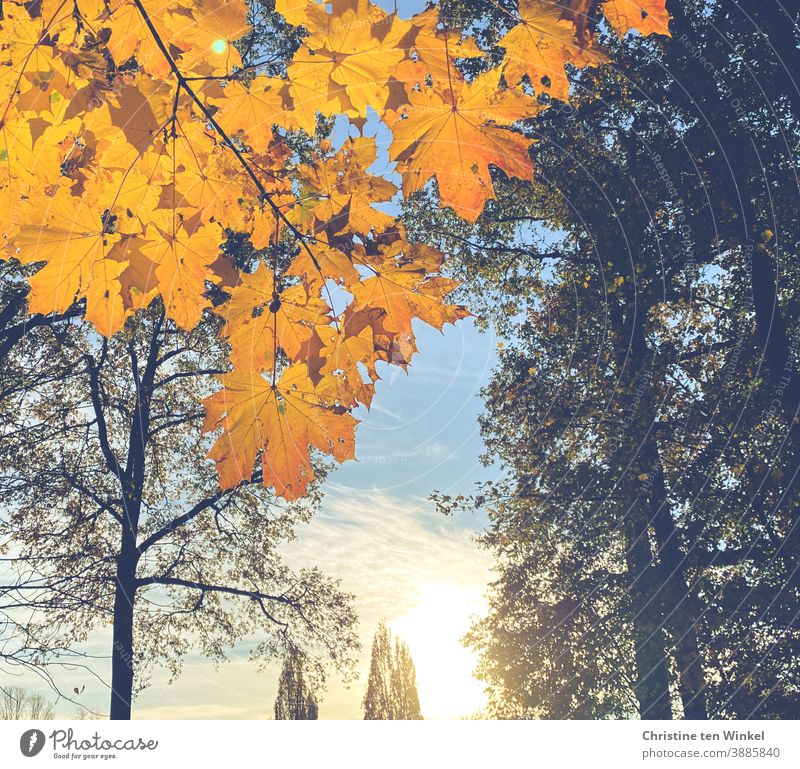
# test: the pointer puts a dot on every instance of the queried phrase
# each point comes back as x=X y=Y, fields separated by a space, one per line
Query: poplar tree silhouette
x=295 y=700
x=392 y=683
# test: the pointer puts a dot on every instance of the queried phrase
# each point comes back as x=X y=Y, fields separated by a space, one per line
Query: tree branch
x=189 y=515
x=207 y=114
x=181 y=520
x=14 y=334
x=184 y=374
x=253 y=595
x=102 y=430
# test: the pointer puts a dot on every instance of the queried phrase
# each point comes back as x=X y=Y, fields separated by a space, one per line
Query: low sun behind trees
x=645 y=411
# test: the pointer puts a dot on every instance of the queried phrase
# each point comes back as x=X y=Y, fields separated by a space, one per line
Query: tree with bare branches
x=114 y=515
x=17 y=704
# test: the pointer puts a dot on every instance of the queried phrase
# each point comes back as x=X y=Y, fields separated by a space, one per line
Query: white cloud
x=406 y=564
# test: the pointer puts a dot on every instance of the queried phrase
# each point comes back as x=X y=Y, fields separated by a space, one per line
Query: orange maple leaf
x=541 y=45
x=647 y=17
x=347 y=59
x=281 y=421
x=345 y=347
x=259 y=319
x=455 y=134
x=436 y=47
x=403 y=287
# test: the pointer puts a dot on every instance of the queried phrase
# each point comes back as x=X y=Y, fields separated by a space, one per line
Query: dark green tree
x=645 y=408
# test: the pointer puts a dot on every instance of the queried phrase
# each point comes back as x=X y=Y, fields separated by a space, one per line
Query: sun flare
x=433 y=630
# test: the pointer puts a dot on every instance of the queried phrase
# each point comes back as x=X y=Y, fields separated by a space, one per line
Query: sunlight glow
x=433 y=630
x=219 y=46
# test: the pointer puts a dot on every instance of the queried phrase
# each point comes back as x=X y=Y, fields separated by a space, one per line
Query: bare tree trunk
x=122 y=650
x=681 y=607
x=652 y=660
x=132 y=480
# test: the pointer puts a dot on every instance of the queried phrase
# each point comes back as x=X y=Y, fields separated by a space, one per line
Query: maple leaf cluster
x=135 y=140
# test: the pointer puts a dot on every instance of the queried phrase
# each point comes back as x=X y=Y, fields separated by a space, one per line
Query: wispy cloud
x=384 y=547
x=376 y=407
x=420 y=571
x=405 y=563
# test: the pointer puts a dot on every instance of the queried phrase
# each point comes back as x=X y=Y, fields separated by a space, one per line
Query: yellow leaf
x=645 y=16
x=541 y=44
x=72 y=243
x=348 y=57
x=454 y=134
x=183 y=261
x=282 y=421
x=258 y=320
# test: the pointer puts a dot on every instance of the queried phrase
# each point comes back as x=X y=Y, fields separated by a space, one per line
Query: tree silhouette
x=645 y=408
x=404 y=684
x=117 y=518
x=377 y=699
x=391 y=692
x=17 y=704
x=295 y=700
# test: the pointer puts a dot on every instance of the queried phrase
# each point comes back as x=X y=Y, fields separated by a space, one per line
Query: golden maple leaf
x=130 y=36
x=25 y=53
x=296 y=12
x=347 y=59
x=259 y=319
x=540 y=46
x=454 y=133
x=328 y=263
x=125 y=163
x=252 y=110
x=401 y=284
x=183 y=256
x=76 y=247
x=436 y=47
x=338 y=191
x=280 y=420
x=645 y=16
x=207 y=179
x=205 y=31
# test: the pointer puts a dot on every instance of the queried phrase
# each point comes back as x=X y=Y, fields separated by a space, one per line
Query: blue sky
x=422 y=432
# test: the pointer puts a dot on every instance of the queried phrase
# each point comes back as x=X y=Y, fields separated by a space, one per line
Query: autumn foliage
x=136 y=140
